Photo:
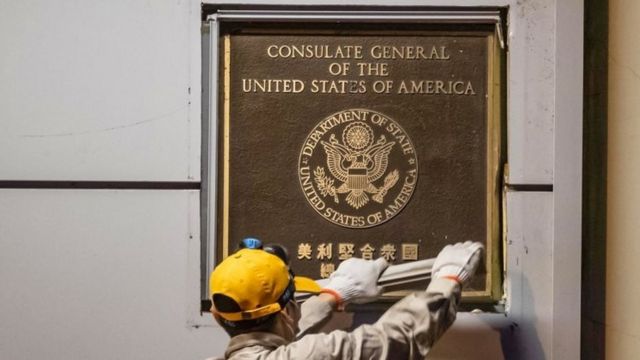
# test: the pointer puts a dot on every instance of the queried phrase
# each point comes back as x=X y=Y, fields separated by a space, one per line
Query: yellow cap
x=256 y=280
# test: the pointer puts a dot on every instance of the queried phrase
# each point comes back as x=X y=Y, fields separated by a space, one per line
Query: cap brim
x=306 y=285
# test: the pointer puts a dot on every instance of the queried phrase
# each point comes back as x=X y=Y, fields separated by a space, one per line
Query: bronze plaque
x=362 y=142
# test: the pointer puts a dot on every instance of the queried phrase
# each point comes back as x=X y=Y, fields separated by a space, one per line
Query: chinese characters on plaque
x=325 y=252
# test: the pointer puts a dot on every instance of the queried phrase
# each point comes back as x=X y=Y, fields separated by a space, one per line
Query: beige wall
x=623 y=190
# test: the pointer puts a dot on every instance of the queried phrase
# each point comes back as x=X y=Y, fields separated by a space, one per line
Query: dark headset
x=274 y=249
x=282 y=253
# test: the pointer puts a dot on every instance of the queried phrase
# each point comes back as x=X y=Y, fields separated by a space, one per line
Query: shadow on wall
x=521 y=338
x=471 y=337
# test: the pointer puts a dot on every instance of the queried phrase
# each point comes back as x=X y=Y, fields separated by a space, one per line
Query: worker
x=252 y=292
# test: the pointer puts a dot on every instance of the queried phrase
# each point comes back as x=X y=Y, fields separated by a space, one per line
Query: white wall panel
x=101 y=275
x=531 y=91
x=568 y=158
x=100 y=90
x=529 y=275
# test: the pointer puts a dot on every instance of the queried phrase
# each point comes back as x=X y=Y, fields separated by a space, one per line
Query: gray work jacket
x=407 y=330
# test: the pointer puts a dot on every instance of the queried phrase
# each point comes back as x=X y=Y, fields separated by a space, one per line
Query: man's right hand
x=458 y=262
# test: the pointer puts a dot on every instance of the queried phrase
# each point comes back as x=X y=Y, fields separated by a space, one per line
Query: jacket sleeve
x=407 y=330
x=314 y=314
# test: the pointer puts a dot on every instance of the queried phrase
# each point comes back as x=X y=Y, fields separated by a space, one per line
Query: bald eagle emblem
x=356 y=162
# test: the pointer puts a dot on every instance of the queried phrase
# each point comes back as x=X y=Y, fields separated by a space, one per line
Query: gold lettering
x=469 y=90
x=338 y=86
x=326 y=269
x=367 y=251
x=430 y=87
x=434 y=53
x=325 y=251
x=375 y=51
x=307 y=187
x=443 y=53
x=403 y=197
x=402 y=89
x=297 y=51
x=388 y=251
x=270 y=53
x=304 y=251
x=348 y=220
x=307 y=51
x=436 y=87
x=411 y=177
x=417 y=87
x=345 y=251
x=409 y=52
x=373 y=69
x=409 y=251
x=294 y=86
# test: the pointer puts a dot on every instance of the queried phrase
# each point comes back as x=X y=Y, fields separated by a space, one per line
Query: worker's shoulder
x=214 y=358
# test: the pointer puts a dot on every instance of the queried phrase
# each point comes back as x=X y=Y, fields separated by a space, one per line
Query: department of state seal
x=358 y=168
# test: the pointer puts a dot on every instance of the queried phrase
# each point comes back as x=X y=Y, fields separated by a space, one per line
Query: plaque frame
x=215 y=185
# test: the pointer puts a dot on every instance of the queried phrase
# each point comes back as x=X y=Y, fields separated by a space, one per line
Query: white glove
x=356 y=280
x=458 y=261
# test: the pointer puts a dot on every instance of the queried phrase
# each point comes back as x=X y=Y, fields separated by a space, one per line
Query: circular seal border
x=366 y=226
